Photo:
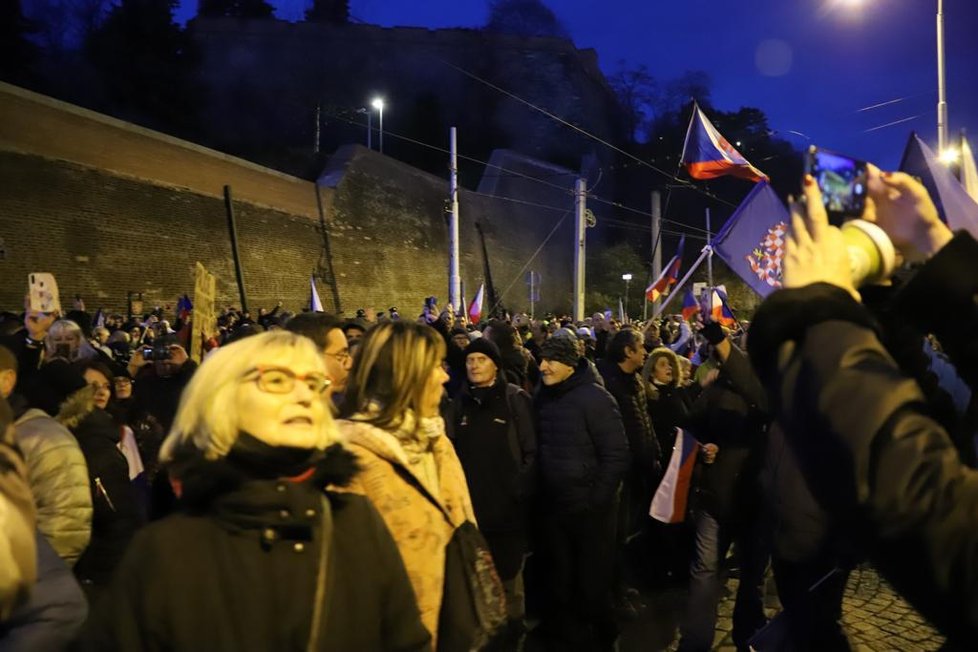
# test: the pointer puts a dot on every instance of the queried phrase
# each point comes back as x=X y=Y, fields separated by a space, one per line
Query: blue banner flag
x=752 y=240
x=953 y=203
x=708 y=155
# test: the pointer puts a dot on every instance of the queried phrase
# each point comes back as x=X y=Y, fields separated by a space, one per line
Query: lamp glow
x=950 y=155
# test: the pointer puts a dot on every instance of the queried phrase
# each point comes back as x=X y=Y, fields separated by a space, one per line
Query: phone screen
x=841 y=179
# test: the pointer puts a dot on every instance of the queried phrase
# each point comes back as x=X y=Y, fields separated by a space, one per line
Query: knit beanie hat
x=560 y=349
x=486 y=348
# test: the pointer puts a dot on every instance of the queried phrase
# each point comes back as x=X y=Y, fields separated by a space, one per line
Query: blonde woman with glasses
x=410 y=471
x=261 y=556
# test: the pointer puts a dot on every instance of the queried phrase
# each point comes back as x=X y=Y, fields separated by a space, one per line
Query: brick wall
x=110 y=208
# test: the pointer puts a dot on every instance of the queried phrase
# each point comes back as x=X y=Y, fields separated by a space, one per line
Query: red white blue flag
x=669 y=502
x=690 y=305
x=475 y=308
x=708 y=155
x=669 y=275
x=719 y=309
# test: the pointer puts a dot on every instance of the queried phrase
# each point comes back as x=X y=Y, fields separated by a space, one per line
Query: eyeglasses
x=122 y=382
x=276 y=380
x=342 y=356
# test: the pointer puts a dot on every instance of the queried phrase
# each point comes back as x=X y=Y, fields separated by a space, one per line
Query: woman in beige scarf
x=410 y=470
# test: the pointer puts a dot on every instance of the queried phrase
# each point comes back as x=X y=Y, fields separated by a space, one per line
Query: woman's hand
x=900 y=205
x=815 y=251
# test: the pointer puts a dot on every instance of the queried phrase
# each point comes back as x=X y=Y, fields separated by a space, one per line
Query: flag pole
x=707 y=250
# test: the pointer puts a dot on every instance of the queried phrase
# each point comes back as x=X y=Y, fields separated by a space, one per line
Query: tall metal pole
x=315 y=145
x=709 y=258
x=370 y=129
x=580 y=230
x=381 y=128
x=627 y=281
x=233 y=228
x=942 y=140
x=454 y=278
x=656 y=246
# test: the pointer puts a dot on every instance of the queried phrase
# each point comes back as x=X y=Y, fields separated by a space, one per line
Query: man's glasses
x=276 y=380
x=340 y=357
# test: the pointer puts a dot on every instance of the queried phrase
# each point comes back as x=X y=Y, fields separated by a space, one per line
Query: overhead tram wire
x=584 y=132
x=518 y=174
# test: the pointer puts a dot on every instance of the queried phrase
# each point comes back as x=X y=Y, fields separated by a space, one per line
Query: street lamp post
x=628 y=279
x=942 y=142
x=378 y=104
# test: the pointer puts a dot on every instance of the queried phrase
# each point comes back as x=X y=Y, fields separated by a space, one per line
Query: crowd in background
x=396 y=483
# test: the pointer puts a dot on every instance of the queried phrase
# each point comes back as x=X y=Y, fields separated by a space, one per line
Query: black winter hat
x=486 y=348
x=560 y=349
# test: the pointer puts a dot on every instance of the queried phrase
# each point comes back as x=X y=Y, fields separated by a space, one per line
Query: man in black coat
x=624 y=359
x=583 y=457
x=495 y=440
x=730 y=418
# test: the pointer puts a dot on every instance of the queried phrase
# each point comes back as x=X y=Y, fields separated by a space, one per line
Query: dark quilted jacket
x=582 y=451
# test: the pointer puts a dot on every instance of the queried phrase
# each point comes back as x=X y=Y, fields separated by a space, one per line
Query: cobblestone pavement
x=876 y=618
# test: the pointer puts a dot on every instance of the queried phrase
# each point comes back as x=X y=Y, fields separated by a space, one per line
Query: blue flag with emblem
x=752 y=241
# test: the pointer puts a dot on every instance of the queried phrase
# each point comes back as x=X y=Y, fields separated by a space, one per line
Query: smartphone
x=43 y=291
x=842 y=180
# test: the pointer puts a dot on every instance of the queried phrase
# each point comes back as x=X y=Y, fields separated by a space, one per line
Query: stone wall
x=111 y=208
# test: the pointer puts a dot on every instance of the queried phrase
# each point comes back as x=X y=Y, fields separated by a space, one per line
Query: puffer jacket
x=582 y=451
x=58 y=477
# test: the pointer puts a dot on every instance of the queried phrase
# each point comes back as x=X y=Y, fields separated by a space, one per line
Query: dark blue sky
x=810 y=65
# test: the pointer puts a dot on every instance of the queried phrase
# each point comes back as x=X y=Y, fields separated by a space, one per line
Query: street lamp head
x=626 y=277
x=950 y=155
x=378 y=103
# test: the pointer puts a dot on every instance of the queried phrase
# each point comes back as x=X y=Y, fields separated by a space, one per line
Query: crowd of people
x=389 y=483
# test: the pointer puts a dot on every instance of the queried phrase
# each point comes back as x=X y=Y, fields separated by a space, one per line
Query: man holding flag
x=730 y=419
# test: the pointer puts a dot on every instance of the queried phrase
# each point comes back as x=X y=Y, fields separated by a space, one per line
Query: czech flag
x=690 y=306
x=669 y=502
x=708 y=155
x=669 y=275
x=719 y=310
x=475 y=308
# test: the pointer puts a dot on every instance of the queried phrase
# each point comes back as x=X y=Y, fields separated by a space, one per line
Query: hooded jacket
x=240 y=569
x=582 y=449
